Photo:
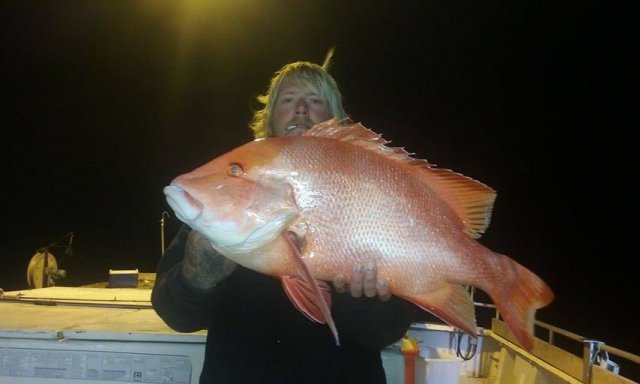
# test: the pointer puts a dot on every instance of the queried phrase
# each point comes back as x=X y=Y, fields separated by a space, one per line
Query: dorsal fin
x=470 y=199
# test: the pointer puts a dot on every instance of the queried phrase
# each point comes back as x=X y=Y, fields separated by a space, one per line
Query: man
x=255 y=334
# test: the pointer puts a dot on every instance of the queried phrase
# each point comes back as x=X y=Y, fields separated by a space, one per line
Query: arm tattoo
x=203 y=268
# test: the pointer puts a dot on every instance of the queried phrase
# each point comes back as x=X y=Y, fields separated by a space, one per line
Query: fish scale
x=359 y=220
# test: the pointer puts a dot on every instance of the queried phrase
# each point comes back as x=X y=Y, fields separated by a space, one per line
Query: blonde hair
x=311 y=75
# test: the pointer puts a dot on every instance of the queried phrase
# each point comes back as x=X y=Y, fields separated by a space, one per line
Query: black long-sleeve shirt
x=255 y=334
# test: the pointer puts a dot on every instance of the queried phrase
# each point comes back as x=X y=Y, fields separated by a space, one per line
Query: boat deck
x=111 y=335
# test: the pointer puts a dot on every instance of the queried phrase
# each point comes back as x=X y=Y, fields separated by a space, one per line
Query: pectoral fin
x=310 y=296
x=302 y=295
x=452 y=304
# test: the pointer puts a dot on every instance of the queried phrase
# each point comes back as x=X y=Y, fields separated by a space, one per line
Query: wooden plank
x=600 y=375
x=519 y=353
x=559 y=358
x=565 y=361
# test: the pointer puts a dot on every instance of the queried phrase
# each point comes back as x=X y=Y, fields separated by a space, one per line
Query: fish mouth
x=186 y=207
x=228 y=239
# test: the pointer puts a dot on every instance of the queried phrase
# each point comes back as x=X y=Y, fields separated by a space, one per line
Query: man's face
x=297 y=109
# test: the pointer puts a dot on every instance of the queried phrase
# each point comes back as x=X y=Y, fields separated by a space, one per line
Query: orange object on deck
x=409 y=349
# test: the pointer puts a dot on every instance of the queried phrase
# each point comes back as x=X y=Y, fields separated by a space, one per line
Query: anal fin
x=452 y=304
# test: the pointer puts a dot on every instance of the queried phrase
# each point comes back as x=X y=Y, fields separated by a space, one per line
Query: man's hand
x=203 y=267
x=364 y=280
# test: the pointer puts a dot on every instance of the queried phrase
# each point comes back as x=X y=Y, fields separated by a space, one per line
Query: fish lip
x=185 y=206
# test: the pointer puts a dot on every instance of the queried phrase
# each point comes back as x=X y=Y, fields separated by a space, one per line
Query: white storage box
x=437 y=366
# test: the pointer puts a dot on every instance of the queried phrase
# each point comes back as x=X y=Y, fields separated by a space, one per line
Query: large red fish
x=303 y=209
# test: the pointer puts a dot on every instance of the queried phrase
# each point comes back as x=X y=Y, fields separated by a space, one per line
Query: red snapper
x=303 y=209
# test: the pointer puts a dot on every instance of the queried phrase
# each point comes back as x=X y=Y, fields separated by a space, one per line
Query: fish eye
x=235 y=170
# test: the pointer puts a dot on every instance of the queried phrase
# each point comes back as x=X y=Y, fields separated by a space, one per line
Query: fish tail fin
x=519 y=298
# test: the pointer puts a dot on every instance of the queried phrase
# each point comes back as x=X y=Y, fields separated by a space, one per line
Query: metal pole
x=164 y=213
x=45 y=269
x=590 y=352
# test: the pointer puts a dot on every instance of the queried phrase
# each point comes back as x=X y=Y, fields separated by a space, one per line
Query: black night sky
x=104 y=102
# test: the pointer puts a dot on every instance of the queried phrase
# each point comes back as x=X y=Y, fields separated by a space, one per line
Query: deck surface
x=120 y=310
